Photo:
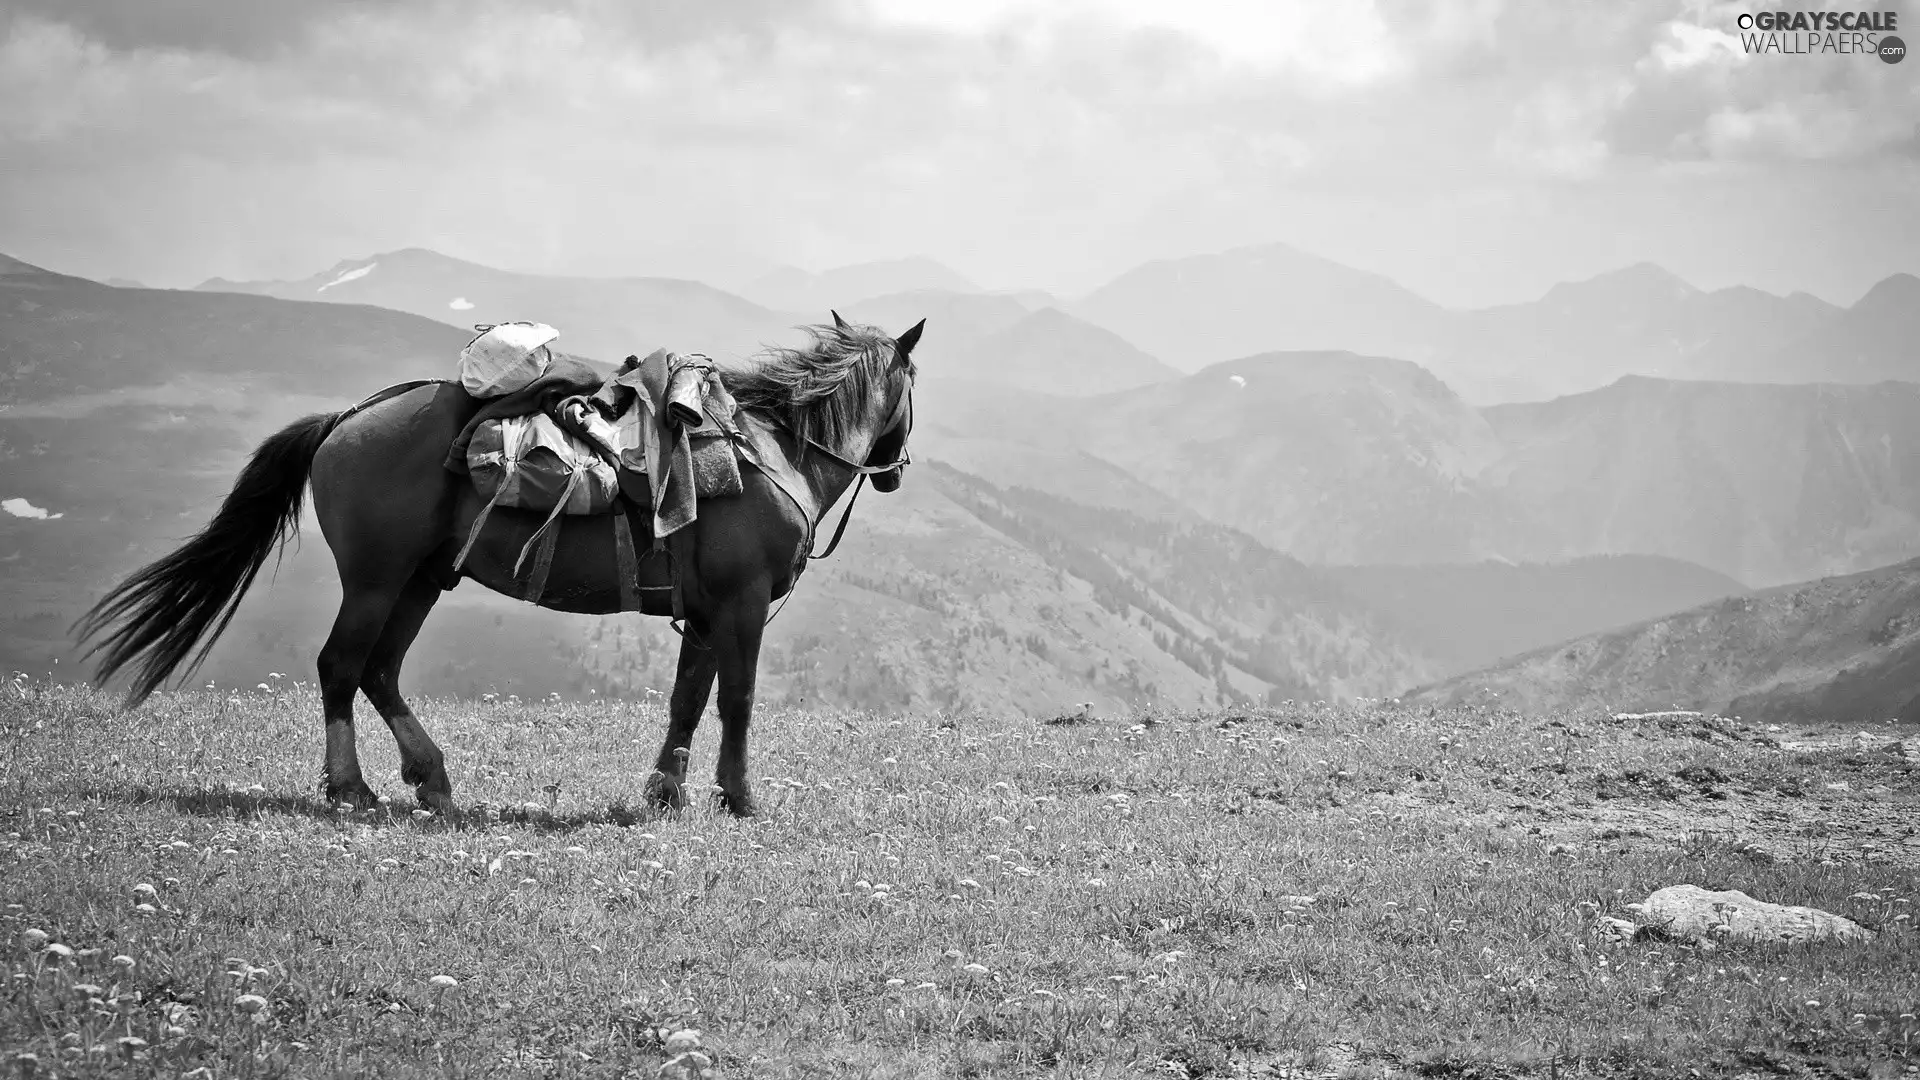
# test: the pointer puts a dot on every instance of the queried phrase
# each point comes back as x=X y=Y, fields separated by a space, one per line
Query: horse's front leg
x=692 y=686
x=737 y=648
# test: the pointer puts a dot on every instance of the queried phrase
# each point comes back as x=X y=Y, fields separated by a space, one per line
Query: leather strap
x=542 y=564
x=552 y=524
x=393 y=391
x=473 y=534
x=845 y=516
x=626 y=562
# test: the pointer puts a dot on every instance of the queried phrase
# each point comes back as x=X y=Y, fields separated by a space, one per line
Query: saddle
x=656 y=437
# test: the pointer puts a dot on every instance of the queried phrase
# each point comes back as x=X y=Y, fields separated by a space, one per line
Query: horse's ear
x=908 y=340
x=838 y=322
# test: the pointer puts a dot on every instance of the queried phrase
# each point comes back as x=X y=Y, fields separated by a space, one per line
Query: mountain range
x=1639 y=320
x=961 y=591
x=1092 y=525
x=1184 y=314
x=602 y=318
x=606 y=319
x=1339 y=459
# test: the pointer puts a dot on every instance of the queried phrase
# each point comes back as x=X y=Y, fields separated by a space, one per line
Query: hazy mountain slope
x=1212 y=596
x=1053 y=352
x=1329 y=457
x=1871 y=341
x=1766 y=483
x=1638 y=320
x=1338 y=459
x=603 y=318
x=1199 y=310
x=1469 y=615
x=1843 y=650
x=63 y=336
x=10 y=266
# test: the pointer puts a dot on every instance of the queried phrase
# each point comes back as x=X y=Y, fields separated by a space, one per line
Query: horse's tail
x=167 y=607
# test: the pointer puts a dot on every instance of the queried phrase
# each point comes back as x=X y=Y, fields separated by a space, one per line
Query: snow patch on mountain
x=351 y=275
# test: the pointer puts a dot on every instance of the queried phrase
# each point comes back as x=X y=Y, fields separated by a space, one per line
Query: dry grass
x=1305 y=891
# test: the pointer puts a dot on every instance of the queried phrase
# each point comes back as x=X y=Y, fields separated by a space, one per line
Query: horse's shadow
x=226 y=803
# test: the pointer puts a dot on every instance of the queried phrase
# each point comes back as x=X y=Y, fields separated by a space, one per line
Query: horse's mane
x=820 y=391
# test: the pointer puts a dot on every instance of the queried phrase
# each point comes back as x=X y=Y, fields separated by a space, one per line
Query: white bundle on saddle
x=506 y=357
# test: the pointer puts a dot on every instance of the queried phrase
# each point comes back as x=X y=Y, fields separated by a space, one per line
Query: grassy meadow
x=1304 y=891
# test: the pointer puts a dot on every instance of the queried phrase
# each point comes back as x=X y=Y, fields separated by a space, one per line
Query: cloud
x=1677 y=87
x=256 y=28
x=1029 y=142
x=1324 y=45
x=21 y=508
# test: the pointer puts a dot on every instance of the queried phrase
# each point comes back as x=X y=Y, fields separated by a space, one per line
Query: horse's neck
x=828 y=478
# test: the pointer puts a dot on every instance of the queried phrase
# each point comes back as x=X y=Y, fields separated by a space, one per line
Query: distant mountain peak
x=10 y=266
x=1053 y=316
x=1895 y=293
x=344 y=276
x=1642 y=282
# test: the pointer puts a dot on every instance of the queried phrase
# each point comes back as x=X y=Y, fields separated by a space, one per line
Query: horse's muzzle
x=888 y=481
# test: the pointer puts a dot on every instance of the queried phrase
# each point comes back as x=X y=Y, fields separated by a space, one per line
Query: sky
x=1475 y=150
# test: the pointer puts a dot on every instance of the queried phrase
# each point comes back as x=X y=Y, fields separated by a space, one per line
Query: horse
x=395 y=519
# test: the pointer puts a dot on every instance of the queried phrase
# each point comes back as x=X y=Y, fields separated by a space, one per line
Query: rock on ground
x=1692 y=913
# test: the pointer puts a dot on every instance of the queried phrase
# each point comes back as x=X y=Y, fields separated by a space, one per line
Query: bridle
x=902 y=421
x=902 y=415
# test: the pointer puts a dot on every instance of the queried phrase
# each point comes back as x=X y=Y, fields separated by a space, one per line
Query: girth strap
x=625 y=560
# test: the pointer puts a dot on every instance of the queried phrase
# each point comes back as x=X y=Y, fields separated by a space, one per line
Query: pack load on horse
x=677 y=486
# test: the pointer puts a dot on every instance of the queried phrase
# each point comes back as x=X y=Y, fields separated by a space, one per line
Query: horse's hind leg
x=421 y=762
x=363 y=616
x=692 y=686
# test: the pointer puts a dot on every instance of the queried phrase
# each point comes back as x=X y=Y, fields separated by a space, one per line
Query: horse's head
x=848 y=395
x=890 y=448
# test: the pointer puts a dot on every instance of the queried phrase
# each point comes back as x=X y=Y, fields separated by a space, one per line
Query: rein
x=902 y=413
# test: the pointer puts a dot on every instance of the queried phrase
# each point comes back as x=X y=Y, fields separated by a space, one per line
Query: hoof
x=664 y=792
x=440 y=802
x=739 y=804
x=354 y=793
